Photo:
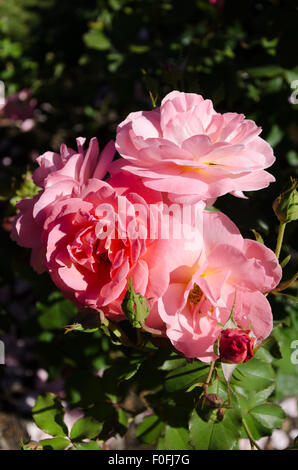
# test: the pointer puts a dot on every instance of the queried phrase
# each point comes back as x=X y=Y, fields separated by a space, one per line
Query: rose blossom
x=58 y=175
x=235 y=346
x=190 y=151
x=76 y=166
x=227 y=271
x=96 y=239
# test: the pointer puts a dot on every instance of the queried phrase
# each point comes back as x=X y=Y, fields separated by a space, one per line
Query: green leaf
x=84 y=389
x=252 y=377
x=263 y=419
x=122 y=418
x=269 y=351
x=287 y=366
x=96 y=39
x=57 y=443
x=215 y=436
x=56 y=314
x=150 y=429
x=135 y=307
x=285 y=261
x=270 y=416
x=173 y=363
x=275 y=135
x=87 y=446
x=48 y=414
x=121 y=370
x=183 y=377
x=27 y=189
x=176 y=439
x=266 y=71
x=85 y=428
x=258 y=236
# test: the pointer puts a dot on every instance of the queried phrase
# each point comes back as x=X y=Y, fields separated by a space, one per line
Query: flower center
x=195 y=294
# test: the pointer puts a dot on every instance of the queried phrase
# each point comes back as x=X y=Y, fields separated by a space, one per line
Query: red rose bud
x=235 y=346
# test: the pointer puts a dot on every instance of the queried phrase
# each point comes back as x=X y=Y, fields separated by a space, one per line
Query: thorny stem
x=280 y=237
x=252 y=441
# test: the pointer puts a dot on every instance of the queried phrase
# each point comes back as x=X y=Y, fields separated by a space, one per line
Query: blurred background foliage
x=88 y=64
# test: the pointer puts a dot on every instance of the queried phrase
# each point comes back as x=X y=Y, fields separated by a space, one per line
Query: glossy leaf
x=176 y=439
x=263 y=419
x=57 y=443
x=215 y=436
x=48 y=414
x=85 y=428
x=87 y=446
x=149 y=430
x=183 y=377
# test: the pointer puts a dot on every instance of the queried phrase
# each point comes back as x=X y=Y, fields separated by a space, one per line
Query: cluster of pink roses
x=184 y=154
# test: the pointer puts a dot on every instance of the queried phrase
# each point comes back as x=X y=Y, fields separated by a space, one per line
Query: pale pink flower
x=74 y=165
x=190 y=151
x=227 y=270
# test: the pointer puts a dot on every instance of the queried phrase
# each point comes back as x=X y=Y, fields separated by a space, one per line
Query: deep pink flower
x=187 y=149
x=235 y=346
x=58 y=175
x=95 y=240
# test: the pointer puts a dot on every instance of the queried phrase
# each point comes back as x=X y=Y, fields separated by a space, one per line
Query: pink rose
x=226 y=270
x=235 y=346
x=76 y=166
x=96 y=239
x=190 y=151
x=58 y=175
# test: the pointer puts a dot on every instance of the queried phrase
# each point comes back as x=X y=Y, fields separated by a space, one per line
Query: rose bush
x=90 y=254
x=131 y=243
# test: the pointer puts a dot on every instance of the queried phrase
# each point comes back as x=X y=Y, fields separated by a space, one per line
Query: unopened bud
x=209 y=408
x=285 y=205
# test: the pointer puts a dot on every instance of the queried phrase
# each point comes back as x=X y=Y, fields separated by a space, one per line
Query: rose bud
x=235 y=346
x=209 y=408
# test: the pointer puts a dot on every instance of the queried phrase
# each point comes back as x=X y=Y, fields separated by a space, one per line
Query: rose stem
x=209 y=377
x=280 y=237
x=252 y=441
